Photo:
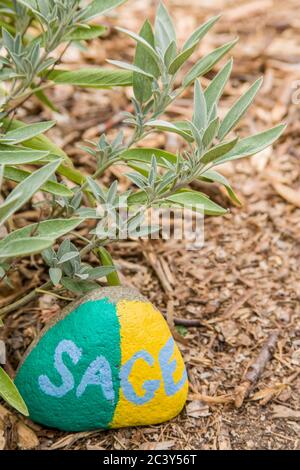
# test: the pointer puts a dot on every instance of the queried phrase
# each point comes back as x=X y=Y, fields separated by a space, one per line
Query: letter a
x=98 y=373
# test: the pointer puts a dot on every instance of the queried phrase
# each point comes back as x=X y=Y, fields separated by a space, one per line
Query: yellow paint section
x=144 y=328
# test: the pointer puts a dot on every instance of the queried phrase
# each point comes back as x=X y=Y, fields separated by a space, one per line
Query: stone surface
x=107 y=361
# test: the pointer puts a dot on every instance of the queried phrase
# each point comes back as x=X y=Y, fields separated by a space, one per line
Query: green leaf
x=79 y=287
x=142 y=86
x=86 y=32
x=213 y=176
x=200 y=32
x=95 y=77
x=99 y=7
x=25 y=190
x=164 y=29
x=196 y=201
x=211 y=132
x=55 y=275
x=17 y=175
x=106 y=260
x=216 y=87
x=24 y=246
x=218 y=151
x=239 y=109
x=254 y=144
x=131 y=67
x=178 y=62
x=10 y=156
x=144 y=155
x=169 y=127
x=53 y=229
x=200 y=111
x=26 y=132
x=9 y=392
x=205 y=64
x=143 y=42
x=101 y=271
x=40 y=142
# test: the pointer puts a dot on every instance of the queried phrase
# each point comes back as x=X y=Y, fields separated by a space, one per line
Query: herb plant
x=31 y=31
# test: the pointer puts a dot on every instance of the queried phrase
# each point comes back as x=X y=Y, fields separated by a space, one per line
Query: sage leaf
x=205 y=64
x=9 y=392
x=239 y=109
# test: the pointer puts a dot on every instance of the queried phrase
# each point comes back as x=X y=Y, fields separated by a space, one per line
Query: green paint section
x=94 y=328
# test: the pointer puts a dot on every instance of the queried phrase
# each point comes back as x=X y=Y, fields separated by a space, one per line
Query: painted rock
x=108 y=361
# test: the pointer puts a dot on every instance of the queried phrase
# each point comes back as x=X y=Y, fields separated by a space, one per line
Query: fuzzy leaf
x=95 y=77
x=239 y=109
x=200 y=32
x=99 y=7
x=26 y=132
x=48 y=228
x=25 y=190
x=196 y=201
x=211 y=132
x=131 y=67
x=205 y=64
x=254 y=144
x=24 y=246
x=11 y=156
x=82 y=33
x=143 y=42
x=213 y=176
x=164 y=29
x=142 y=86
x=200 y=111
x=169 y=127
x=19 y=176
x=216 y=87
x=218 y=151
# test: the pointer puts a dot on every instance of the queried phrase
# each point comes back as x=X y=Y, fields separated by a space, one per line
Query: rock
x=107 y=361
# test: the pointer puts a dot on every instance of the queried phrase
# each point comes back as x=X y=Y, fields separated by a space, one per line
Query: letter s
x=65 y=346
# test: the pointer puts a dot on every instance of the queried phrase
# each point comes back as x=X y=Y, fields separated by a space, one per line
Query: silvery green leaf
x=24 y=246
x=211 y=132
x=55 y=275
x=96 y=189
x=213 y=176
x=218 y=151
x=99 y=272
x=200 y=32
x=137 y=179
x=153 y=172
x=196 y=201
x=49 y=256
x=19 y=176
x=47 y=228
x=99 y=7
x=205 y=64
x=197 y=135
x=216 y=87
x=112 y=193
x=26 y=132
x=142 y=41
x=178 y=61
x=254 y=144
x=16 y=156
x=239 y=109
x=200 y=111
x=169 y=127
x=142 y=86
x=164 y=29
x=64 y=248
x=79 y=287
x=131 y=67
x=170 y=54
x=25 y=190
